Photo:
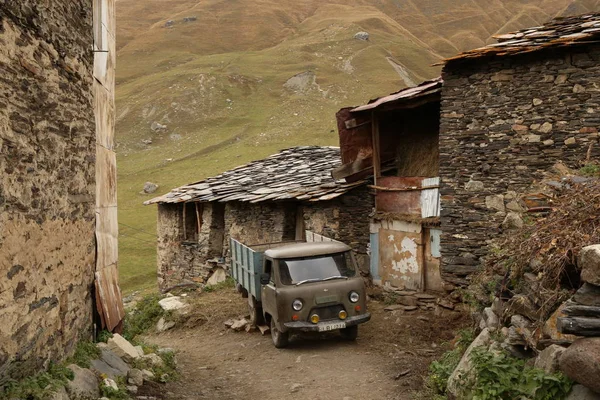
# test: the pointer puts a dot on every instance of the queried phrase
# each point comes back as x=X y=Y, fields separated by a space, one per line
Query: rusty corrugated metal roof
x=425 y=88
x=559 y=32
x=299 y=173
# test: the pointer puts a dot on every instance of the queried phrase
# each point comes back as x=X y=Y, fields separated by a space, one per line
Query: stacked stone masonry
x=179 y=260
x=504 y=123
x=47 y=185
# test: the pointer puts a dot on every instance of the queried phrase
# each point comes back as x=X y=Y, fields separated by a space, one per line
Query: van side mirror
x=265 y=278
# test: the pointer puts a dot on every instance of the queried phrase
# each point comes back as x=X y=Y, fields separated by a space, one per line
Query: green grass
x=146 y=315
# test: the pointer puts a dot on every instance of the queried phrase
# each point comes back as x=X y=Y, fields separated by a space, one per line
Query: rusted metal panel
x=355 y=136
x=107 y=233
x=106 y=177
x=425 y=88
x=104 y=107
x=110 y=306
x=400 y=202
x=401 y=259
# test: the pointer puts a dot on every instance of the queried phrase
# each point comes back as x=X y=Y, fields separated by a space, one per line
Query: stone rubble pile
x=569 y=341
x=116 y=361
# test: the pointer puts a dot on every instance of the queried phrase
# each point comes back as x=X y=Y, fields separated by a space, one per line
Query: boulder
x=148 y=375
x=490 y=319
x=157 y=126
x=150 y=187
x=163 y=325
x=588 y=295
x=548 y=359
x=520 y=304
x=589 y=262
x=59 y=394
x=136 y=377
x=153 y=360
x=172 y=303
x=580 y=392
x=495 y=202
x=550 y=329
x=361 y=35
x=464 y=366
x=102 y=368
x=110 y=383
x=512 y=220
x=84 y=384
x=218 y=276
x=581 y=362
x=122 y=348
x=114 y=361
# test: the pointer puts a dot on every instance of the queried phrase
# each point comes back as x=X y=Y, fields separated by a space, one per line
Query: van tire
x=350 y=333
x=280 y=339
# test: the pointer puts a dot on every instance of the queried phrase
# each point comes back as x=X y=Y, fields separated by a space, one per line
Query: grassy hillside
x=249 y=77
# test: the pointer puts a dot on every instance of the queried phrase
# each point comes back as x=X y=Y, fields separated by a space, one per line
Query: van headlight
x=297 y=305
x=354 y=297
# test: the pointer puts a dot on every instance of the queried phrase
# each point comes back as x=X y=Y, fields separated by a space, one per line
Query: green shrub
x=85 y=352
x=500 y=376
x=590 y=170
x=146 y=314
x=440 y=370
x=103 y=336
x=38 y=386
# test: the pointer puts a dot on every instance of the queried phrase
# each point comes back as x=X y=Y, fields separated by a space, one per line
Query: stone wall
x=180 y=261
x=346 y=219
x=47 y=184
x=504 y=123
x=259 y=223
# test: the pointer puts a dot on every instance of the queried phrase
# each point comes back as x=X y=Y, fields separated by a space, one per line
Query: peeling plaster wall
x=47 y=185
x=504 y=124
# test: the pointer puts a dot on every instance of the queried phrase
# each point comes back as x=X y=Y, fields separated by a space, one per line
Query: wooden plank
x=104 y=111
x=107 y=233
x=580 y=326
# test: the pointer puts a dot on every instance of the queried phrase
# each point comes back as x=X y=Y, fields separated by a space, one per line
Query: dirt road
x=388 y=361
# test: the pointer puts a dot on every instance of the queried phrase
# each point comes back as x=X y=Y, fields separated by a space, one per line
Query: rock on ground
x=150 y=187
x=581 y=362
x=84 y=384
x=122 y=348
x=172 y=303
x=548 y=359
x=153 y=360
x=240 y=324
x=218 y=276
x=463 y=367
x=60 y=394
x=102 y=368
x=589 y=262
x=580 y=392
x=114 y=361
x=163 y=325
x=361 y=35
x=136 y=377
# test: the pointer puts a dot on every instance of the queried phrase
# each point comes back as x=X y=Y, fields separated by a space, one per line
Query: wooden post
x=184 y=232
x=199 y=217
x=376 y=150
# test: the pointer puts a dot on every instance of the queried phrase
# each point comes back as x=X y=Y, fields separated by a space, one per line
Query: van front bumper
x=322 y=326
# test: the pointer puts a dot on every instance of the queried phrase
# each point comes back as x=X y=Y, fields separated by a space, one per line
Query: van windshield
x=295 y=271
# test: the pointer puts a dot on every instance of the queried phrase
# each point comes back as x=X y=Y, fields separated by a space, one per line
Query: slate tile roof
x=559 y=32
x=298 y=173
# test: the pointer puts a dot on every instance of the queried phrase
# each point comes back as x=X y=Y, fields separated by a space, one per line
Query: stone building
x=510 y=111
x=57 y=187
x=275 y=199
x=395 y=140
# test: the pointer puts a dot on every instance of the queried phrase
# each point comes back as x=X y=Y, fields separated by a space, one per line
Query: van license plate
x=332 y=327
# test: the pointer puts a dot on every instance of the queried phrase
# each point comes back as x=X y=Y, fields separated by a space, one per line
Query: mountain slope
x=245 y=78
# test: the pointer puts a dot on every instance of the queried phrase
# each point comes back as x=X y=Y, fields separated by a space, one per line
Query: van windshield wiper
x=336 y=277
x=309 y=280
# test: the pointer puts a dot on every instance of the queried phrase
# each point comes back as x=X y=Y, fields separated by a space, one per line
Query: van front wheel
x=280 y=339
x=350 y=333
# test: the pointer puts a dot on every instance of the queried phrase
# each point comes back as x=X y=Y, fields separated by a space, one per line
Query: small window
x=268 y=266
x=191 y=222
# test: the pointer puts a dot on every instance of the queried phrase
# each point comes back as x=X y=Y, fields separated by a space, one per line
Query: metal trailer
x=246 y=267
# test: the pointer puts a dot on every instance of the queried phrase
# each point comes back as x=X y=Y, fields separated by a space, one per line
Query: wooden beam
x=376 y=151
x=580 y=326
x=184 y=232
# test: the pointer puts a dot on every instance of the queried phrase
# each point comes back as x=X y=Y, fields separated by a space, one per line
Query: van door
x=269 y=301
